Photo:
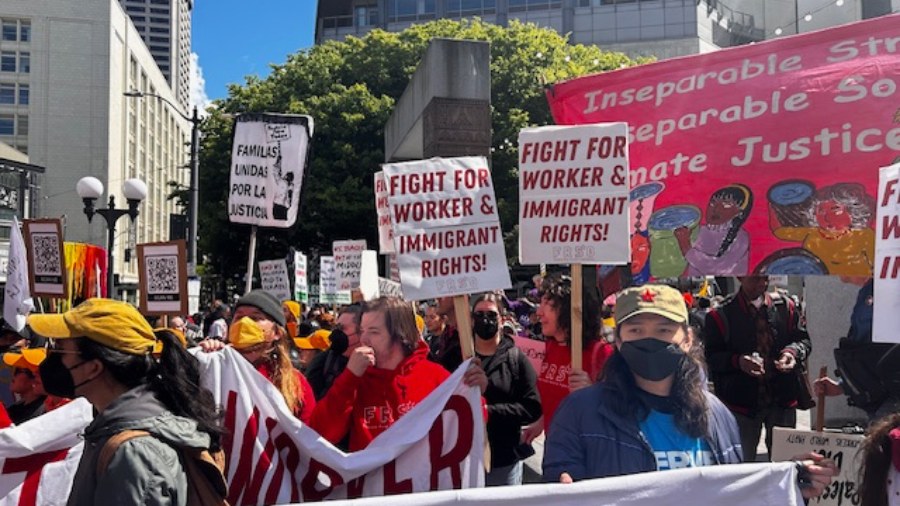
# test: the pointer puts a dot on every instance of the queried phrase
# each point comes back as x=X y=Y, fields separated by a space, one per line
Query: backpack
x=205 y=478
x=856 y=367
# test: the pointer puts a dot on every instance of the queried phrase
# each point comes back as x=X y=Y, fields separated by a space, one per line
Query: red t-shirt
x=304 y=409
x=553 y=378
x=4 y=417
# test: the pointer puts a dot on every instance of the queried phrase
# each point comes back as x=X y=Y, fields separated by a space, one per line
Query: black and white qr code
x=162 y=274
x=46 y=254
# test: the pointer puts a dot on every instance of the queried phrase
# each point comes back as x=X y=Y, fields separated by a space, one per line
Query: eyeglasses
x=493 y=315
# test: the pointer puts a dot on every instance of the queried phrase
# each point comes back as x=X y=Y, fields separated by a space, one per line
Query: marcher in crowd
x=651 y=403
x=389 y=373
x=257 y=332
x=31 y=399
x=557 y=378
x=511 y=394
x=218 y=322
x=102 y=351
x=445 y=348
x=311 y=346
x=879 y=472
x=755 y=344
x=434 y=323
x=326 y=367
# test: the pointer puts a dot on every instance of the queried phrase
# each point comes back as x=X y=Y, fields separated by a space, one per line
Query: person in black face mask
x=652 y=396
x=511 y=394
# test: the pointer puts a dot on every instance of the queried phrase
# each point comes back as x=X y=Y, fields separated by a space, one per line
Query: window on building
x=8 y=61
x=519 y=5
x=159 y=20
x=468 y=7
x=138 y=19
x=22 y=125
x=9 y=31
x=7 y=124
x=24 y=62
x=155 y=10
x=366 y=15
x=7 y=93
x=25 y=32
x=154 y=29
x=23 y=94
x=164 y=40
x=135 y=8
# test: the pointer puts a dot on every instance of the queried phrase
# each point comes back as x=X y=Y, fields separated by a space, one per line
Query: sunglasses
x=493 y=315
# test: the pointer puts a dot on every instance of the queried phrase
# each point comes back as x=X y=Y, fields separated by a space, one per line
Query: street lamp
x=195 y=175
x=90 y=189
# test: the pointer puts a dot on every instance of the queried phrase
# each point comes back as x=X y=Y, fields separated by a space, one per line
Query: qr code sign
x=46 y=254
x=162 y=274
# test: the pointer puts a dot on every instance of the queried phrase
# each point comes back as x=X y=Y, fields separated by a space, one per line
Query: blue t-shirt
x=672 y=448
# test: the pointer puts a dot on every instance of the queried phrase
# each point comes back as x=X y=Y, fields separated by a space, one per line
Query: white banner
x=886 y=295
x=368 y=275
x=268 y=157
x=348 y=263
x=383 y=211
x=446 y=227
x=273 y=278
x=573 y=195
x=301 y=281
x=328 y=292
x=842 y=448
x=17 y=302
x=731 y=485
x=38 y=458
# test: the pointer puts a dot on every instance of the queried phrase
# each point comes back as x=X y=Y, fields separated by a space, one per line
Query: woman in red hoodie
x=385 y=377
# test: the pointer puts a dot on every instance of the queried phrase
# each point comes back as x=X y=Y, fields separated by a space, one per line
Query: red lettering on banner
x=889 y=190
x=576 y=177
x=458 y=453
x=411 y=184
x=549 y=151
x=454 y=265
x=890 y=227
x=291 y=458
x=242 y=474
x=32 y=466
x=472 y=178
x=308 y=485
x=886 y=271
x=263 y=464
x=391 y=485
x=355 y=487
x=605 y=147
x=433 y=210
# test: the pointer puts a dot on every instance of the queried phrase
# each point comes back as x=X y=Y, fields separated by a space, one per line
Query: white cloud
x=199 y=97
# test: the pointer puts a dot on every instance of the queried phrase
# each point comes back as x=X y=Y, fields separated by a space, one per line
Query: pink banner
x=761 y=158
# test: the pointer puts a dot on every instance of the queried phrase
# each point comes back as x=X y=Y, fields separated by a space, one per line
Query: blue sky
x=235 y=38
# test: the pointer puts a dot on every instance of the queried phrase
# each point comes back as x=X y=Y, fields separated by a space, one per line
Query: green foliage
x=350 y=89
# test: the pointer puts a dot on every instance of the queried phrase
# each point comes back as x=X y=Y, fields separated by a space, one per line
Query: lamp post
x=195 y=176
x=90 y=189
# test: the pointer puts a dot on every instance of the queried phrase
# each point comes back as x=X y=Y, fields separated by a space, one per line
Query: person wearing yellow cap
x=25 y=386
x=311 y=345
x=102 y=350
x=651 y=410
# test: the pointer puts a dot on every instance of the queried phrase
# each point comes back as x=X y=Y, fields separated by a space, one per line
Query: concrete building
x=74 y=61
x=165 y=26
x=661 y=28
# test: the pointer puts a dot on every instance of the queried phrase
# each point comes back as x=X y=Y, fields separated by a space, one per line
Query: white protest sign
x=328 y=292
x=840 y=447
x=347 y=263
x=273 y=278
x=573 y=195
x=301 y=281
x=383 y=211
x=446 y=227
x=268 y=158
x=389 y=288
x=886 y=289
x=368 y=275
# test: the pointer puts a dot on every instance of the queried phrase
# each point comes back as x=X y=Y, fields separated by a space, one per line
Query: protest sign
x=268 y=156
x=301 y=281
x=842 y=448
x=446 y=227
x=328 y=292
x=17 y=301
x=46 y=258
x=533 y=349
x=573 y=195
x=162 y=277
x=383 y=211
x=389 y=288
x=273 y=278
x=886 y=295
x=760 y=158
x=348 y=263
x=368 y=275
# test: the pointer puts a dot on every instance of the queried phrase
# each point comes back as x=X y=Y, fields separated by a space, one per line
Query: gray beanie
x=265 y=302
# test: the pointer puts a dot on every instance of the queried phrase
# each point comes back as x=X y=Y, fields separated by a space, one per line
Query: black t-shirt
x=20 y=412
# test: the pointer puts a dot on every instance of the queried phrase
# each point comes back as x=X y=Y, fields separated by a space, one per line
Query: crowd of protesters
x=663 y=372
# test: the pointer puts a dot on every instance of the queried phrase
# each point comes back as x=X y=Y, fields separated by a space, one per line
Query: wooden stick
x=464 y=325
x=251 y=259
x=575 y=331
x=820 y=403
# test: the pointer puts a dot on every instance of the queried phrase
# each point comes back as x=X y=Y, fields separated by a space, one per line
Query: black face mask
x=57 y=378
x=339 y=341
x=652 y=359
x=486 y=326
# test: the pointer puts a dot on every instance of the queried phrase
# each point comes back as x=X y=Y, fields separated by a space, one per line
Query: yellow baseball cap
x=660 y=300
x=26 y=358
x=111 y=323
x=293 y=307
x=318 y=340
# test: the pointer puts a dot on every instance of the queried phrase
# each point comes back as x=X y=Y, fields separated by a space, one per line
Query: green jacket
x=144 y=470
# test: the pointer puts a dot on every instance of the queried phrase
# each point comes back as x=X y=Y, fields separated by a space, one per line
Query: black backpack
x=856 y=366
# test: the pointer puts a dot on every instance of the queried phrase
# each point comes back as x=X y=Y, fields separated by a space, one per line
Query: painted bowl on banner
x=666 y=258
x=791 y=262
x=790 y=200
x=641 y=200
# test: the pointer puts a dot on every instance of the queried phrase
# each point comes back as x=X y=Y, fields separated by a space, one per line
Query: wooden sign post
x=577 y=312
x=464 y=325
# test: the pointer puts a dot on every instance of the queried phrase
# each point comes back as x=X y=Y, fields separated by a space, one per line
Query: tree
x=350 y=89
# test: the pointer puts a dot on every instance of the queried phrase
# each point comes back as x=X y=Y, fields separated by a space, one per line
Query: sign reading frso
x=328 y=292
x=886 y=295
x=268 y=157
x=759 y=159
x=573 y=195
x=842 y=448
x=383 y=211
x=46 y=258
x=348 y=263
x=446 y=227
x=301 y=280
x=162 y=275
x=273 y=278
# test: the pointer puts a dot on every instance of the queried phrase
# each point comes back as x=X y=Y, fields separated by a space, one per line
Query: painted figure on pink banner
x=721 y=245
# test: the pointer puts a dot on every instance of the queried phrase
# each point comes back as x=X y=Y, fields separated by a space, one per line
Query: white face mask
x=758 y=302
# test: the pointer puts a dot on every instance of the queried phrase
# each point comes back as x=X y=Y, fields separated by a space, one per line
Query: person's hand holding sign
x=361 y=359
